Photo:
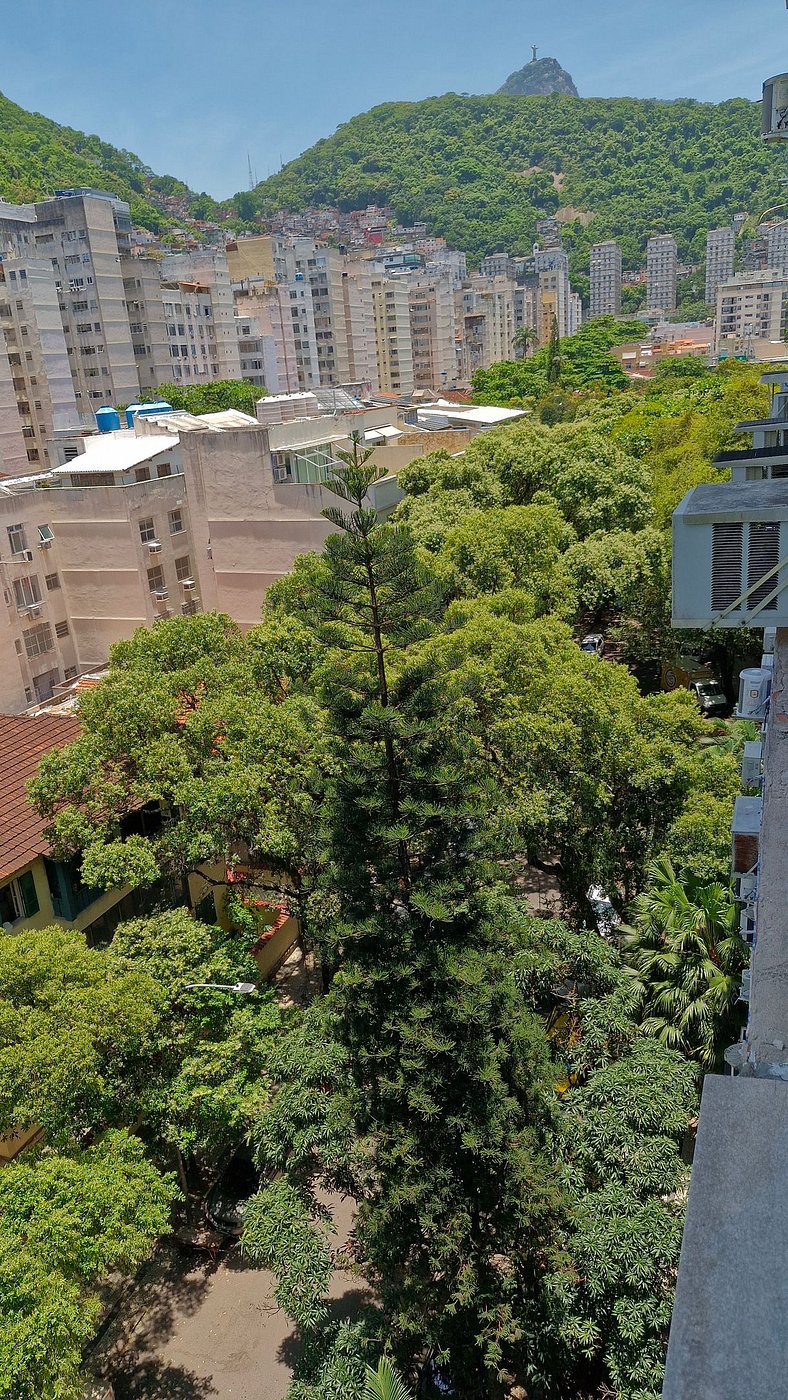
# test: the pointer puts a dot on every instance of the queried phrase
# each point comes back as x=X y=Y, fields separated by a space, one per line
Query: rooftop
x=24 y=739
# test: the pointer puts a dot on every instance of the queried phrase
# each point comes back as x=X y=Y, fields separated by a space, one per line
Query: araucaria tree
x=439 y=1085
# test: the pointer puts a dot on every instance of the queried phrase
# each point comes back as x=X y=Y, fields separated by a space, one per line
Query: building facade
x=433 y=333
x=751 y=306
x=720 y=253
x=605 y=279
x=661 y=270
x=394 y=349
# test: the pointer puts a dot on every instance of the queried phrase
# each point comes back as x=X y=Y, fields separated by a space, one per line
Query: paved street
x=194 y=1329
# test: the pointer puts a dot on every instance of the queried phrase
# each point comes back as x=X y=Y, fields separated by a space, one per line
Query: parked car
x=711 y=698
x=593 y=644
x=225 y=1204
x=694 y=675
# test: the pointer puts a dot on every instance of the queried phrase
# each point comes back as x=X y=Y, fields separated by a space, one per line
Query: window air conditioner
x=154 y=546
x=24 y=554
x=34 y=610
x=281 y=474
x=161 y=595
x=188 y=584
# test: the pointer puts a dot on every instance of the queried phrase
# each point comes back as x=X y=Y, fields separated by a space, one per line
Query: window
x=183 y=568
x=69 y=673
x=142 y=474
x=164 y=469
x=37 y=640
x=147 y=530
x=45 y=531
x=156 y=579
x=19 y=900
x=52 y=582
x=27 y=592
x=61 y=629
x=17 y=538
x=176 y=522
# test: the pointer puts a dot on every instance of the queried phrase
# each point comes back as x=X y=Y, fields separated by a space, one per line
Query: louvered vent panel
x=764 y=554
x=726 y=557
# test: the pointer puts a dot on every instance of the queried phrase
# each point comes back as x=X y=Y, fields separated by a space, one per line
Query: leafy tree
x=686 y=956
x=581 y=361
x=511 y=547
x=66 y=1222
x=442 y=1092
x=384 y=1383
x=215 y=397
x=190 y=722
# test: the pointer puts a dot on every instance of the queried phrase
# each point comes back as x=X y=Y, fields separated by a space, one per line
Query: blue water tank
x=107 y=419
x=130 y=411
x=147 y=410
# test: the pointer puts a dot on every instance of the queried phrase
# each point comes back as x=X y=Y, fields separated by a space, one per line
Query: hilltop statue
x=541 y=75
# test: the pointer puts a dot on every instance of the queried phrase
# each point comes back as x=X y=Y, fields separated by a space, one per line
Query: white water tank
x=774 y=109
x=755 y=683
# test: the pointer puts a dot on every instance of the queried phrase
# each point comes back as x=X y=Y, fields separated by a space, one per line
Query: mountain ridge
x=537 y=78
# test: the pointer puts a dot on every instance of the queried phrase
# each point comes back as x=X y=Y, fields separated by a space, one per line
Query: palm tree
x=524 y=337
x=685 y=951
x=385 y=1384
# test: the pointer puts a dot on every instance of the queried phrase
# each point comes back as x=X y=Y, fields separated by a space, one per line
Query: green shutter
x=27 y=889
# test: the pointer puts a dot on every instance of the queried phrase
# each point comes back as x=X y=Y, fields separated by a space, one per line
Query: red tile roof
x=24 y=739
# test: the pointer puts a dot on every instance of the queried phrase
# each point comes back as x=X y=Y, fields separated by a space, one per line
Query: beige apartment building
x=551 y=266
x=485 y=312
x=394 y=350
x=13 y=447
x=147 y=321
x=433 y=333
x=178 y=515
x=751 y=306
x=268 y=306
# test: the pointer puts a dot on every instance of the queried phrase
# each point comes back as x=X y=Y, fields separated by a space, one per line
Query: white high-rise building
x=213 y=351
x=432 y=331
x=147 y=322
x=31 y=334
x=751 y=306
x=720 y=250
x=661 y=263
x=552 y=268
x=605 y=269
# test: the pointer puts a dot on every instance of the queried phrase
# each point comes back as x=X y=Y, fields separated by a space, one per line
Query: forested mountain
x=37 y=156
x=482 y=170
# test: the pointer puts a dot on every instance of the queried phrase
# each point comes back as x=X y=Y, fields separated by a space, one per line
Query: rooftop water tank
x=107 y=419
x=145 y=410
x=130 y=411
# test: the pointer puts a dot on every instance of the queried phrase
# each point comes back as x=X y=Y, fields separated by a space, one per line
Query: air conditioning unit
x=22 y=556
x=755 y=684
x=161 y=595
x=34 y=610
x=188 y=584
x=45 y=543
x=744 y=990
x=745 y=887
x=751 y=764
x=745 y=834
x=281 y=474
x=747 y=925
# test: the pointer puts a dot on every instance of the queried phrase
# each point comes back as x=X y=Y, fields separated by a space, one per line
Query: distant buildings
x=777 y=246
x=661 y=268
x=751 y=307
x=720 y=250
x=605 y=279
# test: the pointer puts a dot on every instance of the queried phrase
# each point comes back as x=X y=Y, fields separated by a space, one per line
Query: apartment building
x=661 y=272
x=147 y=321
x=325 y=347
x=177 y=515
x=605 y=279
x=497 y=265
x=393 y=346
x=359 y=319
x=551 y=266
x=13 y=447
x=525 y=302
x=31 y=335
x=209 y=309
x=720 y=252
x=268 y=305
x=257 y=349
x=486 y=321
x=433 y=334
x=251 y=259
x=83 y=233
x=777 y=246
x=751 y=306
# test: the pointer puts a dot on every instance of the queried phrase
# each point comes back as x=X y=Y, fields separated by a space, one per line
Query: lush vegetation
x=409 y=737
x=209 y=398
x=482 y=170
x=38 y=156
x=580 y=361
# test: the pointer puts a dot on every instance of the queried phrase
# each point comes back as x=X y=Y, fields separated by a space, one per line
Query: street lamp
x=243 y=987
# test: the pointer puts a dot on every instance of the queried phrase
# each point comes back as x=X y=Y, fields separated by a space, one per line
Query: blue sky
x=193 y=85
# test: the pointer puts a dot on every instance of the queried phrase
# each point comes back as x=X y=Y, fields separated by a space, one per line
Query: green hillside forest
x=37 y=156
x=482 y=170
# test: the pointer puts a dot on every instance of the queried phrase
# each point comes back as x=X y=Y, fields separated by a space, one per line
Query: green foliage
x=215 y=397
x=686 y=956
x=66 y=1222
x=38 y=156
x=580 y=361
x=384 y=1383
x=480 y=170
